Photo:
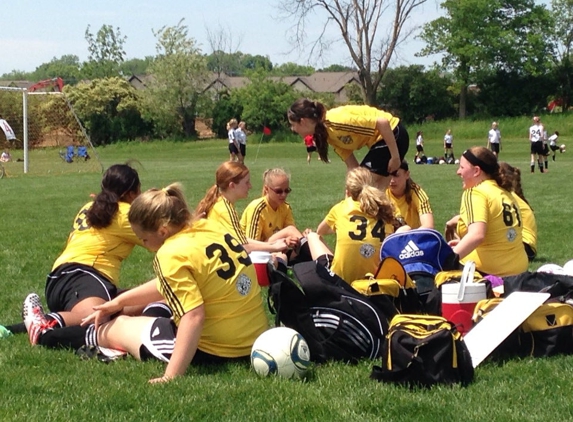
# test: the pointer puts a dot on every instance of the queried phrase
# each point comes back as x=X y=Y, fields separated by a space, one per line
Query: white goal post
x=47 y=119
x=24 y=93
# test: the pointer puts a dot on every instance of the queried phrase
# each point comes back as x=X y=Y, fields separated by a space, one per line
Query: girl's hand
x=394 y=164
x=101 y=314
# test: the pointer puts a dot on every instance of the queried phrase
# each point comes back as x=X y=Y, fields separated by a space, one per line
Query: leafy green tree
x=109 y=108
x=264 y=101
x=106 y=53
x=292 y=69
x=414 y=94
x=66 y=67
x=483 y=35
x=563 y=37
x=179 y=73
x=135 y=66
x=337 y=68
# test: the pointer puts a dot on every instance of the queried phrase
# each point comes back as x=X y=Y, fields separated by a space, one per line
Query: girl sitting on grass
x=206 y=278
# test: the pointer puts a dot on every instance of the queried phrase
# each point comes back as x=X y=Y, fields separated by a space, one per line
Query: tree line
x=498 y=58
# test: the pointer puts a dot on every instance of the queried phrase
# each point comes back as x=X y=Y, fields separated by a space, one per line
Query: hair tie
x=166 y=191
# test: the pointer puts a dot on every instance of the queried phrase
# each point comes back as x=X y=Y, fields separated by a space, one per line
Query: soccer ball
x=457 y=161
x=551 y=269
x=281 y=351
x=562 y=148
x=442 y=161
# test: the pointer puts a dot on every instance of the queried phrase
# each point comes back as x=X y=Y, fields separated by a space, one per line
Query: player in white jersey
x=494 y=139
x=536 y=140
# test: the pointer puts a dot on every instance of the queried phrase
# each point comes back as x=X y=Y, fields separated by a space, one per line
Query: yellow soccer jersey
x=204 y=264
x=411 y=213
x=259 y=221
x=225 y=213
x=529 y=224
x=501 y=253
x=352 y=127
x=103 y=249
x=358 y=240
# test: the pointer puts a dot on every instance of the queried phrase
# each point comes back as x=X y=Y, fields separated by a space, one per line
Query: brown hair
x=511 y=179
x=304 y=108
x=373 y=202
x=486 y=161
x=160 y=207
x=229 y=171
x=118 y=181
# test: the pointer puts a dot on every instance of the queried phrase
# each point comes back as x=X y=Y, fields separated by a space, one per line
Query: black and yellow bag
x=391 y=284
x=546 y=332
x=423 y=350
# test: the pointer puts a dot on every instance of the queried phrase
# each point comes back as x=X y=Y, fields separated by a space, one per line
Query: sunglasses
x=281 y=191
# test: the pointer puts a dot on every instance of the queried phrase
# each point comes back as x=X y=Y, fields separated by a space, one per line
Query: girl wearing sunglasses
x=233 y=182
x=269 y=218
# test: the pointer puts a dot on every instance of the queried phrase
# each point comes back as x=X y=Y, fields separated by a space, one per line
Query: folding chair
x=83 y=153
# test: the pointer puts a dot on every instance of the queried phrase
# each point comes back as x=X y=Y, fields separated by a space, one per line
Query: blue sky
x=33 y=33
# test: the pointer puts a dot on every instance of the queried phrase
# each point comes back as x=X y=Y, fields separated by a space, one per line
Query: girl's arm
x=351 y=162
x=427 y=221
x=474 y=237
x=140 y=295
x=186 y=342
x=323 y=228
x=383 y=126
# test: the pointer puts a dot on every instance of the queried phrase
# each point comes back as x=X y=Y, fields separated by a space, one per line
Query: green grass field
x=37 y=384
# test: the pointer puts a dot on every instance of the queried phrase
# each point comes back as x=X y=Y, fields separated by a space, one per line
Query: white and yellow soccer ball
x=562 y=148
x=281 y=351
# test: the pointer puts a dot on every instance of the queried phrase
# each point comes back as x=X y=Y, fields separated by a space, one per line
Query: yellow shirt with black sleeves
x=529 y=224
x=225 y=213
x=259 y=221
x=419 y=205
x=358 y=240
x=352 y=127
x=103 y=249
x=501 y=252
x=205 y=265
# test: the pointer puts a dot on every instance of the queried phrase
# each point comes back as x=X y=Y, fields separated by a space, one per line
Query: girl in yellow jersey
x=489 y=226
x=204 y=275
x=86 y=273
x=349 y=128
x=269 y=218
x=512 y=183
x=361 y=222
x=233 y=182
x=411 y=202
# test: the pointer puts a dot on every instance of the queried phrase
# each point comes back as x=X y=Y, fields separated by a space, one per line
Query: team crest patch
x=243 y=284
x=346 y=140
x=511 y=234
x=367 y=250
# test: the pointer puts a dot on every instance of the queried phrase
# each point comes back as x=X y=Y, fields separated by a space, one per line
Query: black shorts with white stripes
x=71 y=283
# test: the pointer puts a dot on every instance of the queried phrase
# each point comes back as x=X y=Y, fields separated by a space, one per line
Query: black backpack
x=423 y=350
x=336 y=321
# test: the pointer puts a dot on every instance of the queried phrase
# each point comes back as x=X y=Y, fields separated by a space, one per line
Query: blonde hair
x=373 y=202
x=229 y=171
x=271 y=174
x=160 y=207
x=232 y=124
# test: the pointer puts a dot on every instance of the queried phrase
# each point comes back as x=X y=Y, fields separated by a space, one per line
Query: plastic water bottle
x=4 y=332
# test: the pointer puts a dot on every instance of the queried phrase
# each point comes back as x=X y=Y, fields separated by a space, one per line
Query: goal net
x=49 y=136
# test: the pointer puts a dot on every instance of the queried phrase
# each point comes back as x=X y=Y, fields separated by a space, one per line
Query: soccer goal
x=49 y=137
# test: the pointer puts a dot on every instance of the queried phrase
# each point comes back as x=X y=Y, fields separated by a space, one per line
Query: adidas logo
x=410 y=251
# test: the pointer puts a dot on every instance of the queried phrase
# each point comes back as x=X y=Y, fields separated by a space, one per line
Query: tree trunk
x=463 y=100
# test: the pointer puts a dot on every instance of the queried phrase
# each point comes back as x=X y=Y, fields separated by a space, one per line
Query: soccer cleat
x=34 y=318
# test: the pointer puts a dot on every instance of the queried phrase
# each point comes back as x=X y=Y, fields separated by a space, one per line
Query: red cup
x=260 y=261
